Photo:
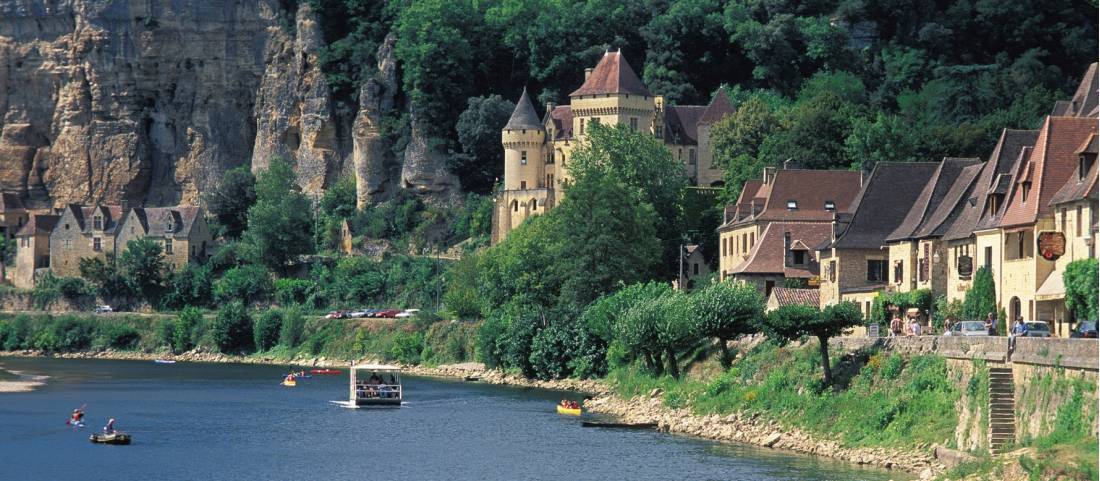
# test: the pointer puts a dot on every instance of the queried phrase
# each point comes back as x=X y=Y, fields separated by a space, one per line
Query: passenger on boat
x=110 y=427
x=78 y=416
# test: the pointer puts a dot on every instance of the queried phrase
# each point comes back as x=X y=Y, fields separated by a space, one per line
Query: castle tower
x=523 y=138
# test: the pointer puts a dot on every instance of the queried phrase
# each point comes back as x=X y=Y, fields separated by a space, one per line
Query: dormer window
x=97 y=222
x=792 y=205
x=1025 y=189
x=798 y=257
x=830 y=205
x=168 y=225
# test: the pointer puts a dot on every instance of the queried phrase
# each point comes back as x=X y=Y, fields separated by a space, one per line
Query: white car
x=103 y=309
x=407 y=313
x=968 y=329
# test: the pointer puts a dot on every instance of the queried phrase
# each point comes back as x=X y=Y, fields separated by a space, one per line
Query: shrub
x=73 y=333
x=550 y=352
x=292 y=328
x=265 y=331
x=183 y=331
x=115 y=336
x=18 y=333
x=232 y=328
x=407 y=346
x=292 y=291
x=981 y=299
x=190 y=286
x=246 y=284
x=1080 y=278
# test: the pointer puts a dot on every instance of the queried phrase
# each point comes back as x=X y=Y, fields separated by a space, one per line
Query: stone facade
x=182 y=232
x=33 y=249
x=82 y=232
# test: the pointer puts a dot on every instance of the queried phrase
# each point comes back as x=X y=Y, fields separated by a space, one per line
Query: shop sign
x=1052 y=245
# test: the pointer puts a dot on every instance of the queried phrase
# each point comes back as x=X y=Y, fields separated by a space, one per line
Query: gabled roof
x=883 y=203
x=768 y=255
x=84 y=214
x=719 y=107
x=1085 y=100
x=524 y=116
x=154 y=220
x=562 y=119
x=682 y=124
x=810 y=189
x=995 y=172
x=785 y=296
x=1080 y=186
x=10 y=201
x=38 y=224
x=612 y=76
x=935 y=192
x=953 y=204
x=1050 y=165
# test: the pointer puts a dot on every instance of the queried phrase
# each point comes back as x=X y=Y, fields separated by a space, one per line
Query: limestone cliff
x=151 y=102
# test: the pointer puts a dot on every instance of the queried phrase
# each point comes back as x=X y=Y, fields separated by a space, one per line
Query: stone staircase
x=1002 y=409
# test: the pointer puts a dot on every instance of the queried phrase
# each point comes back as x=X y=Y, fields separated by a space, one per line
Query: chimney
x=790 y=164
x=769 y=175
x=550 y=107
x=786 y=248
x=587 y=72
x=840 y=223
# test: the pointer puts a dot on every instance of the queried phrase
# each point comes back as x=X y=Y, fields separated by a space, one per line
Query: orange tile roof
x=768 y=255
x=1052 y=162
x=612 y=76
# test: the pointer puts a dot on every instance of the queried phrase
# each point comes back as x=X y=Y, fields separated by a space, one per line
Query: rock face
x=149 y=103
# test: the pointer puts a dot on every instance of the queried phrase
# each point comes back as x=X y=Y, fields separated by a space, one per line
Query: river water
x=236 y=422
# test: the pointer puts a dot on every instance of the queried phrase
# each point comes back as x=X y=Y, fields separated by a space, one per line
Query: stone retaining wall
x=1083 y=354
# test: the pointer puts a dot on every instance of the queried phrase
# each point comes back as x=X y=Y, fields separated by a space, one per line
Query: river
x=235 y=422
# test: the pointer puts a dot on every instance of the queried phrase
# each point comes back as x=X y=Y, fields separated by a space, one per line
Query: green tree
x=1080 y=278
x=246 y=284
x=231 y=330
x=795 y=321
x=724 y=310
x=145 y=268
x=265 y=331
x=293 y=327
x=981 y=299
x=736 y=141
x=674 y=328
x=190 y=286
x=280 y=224
x=106 y=277
x=230 y=201
x=481 y=161
x=183 y=332
x=338 y=201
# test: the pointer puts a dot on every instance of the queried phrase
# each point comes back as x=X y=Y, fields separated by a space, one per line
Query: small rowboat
x=568 y=411
x=607 y=424
x=164 y=361
x=113 y=438
x=290 y=383
x=324 y=371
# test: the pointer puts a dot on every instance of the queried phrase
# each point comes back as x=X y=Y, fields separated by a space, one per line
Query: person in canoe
x=110 y=427
x=567 y=404
x=77 y=419
x=289 y=378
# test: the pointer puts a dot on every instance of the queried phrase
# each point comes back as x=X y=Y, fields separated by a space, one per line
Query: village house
x=82 y=232
x=855 y=260
x=918 y=257
x=773 y=230
x=181 y=231
x=537 y=152
x=785 y=296
x=693 y=267
x=12 y=214
x=32 y=249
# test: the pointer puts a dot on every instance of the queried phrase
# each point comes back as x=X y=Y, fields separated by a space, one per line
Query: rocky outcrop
x=151 y=102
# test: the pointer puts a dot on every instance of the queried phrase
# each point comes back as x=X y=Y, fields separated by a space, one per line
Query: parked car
x=358 y=314
x=968 y=328
x=103 y=309
x=388 y=313
x=1084 y=329
x=407 y=313
x=1037 y=329
x=336 y=315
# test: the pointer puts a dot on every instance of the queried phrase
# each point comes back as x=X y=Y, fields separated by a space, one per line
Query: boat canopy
x=376 y=367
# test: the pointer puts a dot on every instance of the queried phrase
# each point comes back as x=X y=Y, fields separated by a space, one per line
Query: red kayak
x=324 y=371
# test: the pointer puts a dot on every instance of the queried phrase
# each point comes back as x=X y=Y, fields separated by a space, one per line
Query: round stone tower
x=523 y=138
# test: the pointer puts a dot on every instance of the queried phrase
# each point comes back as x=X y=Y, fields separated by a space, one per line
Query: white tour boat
x=373 y=385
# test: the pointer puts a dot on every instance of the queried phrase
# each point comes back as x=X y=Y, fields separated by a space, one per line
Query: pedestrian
x=914 y=327
x=895 y=325
x=947 y=323
x=1018 y=329
x=989 y=324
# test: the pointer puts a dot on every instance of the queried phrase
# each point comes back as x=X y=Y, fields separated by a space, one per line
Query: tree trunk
x=724 y=350
x=823 y=344
x=673 y=369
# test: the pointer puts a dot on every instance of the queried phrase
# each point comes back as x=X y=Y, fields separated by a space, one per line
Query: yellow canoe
x=568 y=411
x=290 y=383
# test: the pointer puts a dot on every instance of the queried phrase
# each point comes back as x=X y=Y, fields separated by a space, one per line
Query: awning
x=1053 y=288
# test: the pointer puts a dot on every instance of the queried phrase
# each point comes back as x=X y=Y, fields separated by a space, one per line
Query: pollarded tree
x=673 y=326
x=1080 y=278
x=981 y=299
x=725 y=310
x=793 y=322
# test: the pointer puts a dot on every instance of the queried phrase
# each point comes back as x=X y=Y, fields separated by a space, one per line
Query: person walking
x=1018 y=329
x=990 y=324
x=895 y=326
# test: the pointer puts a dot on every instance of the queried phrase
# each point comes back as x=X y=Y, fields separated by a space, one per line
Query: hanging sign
x=1052 y=245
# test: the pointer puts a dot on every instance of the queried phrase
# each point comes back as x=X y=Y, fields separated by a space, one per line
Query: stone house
x=82 y=232
x=537 y=151
x=32 y=249
x=694 y=267
x=181 y=231
x=12 y=214
x=803 y=202
x=784 y=296
x=918 y=256
x=855 y=262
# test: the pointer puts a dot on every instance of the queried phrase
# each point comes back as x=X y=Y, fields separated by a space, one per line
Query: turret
x=523 y=137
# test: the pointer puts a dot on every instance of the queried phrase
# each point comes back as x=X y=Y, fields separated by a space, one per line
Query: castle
x=537 y=152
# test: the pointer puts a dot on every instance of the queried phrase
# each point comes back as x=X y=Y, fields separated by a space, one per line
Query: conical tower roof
x=612 y=76
x=524 y=116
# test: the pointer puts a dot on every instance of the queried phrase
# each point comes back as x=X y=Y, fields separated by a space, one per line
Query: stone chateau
x=537 y=150
x=1024 y=213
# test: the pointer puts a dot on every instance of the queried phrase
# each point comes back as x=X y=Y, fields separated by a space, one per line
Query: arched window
x=515 y=206
x=534 y=204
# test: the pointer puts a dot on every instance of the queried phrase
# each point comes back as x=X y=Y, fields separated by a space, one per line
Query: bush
x=550 y=349
x=190 y=286
x=232 y=328
x=247 y=284
x=407 y=346
x=265 y=332
x=292 y=291
x=51 y=288
x=184 y=329
x=115 y=336
x=18 y=333
x=292 y=328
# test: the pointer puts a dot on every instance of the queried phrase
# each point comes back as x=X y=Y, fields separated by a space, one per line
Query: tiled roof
x=10 y=201
x=612 y=76
x=882 y=204
x=112 y=214
x=1085 y=100
x=682 y=124
x=767 y=256
x=933 y=194
x=719 y=107
x=154 y=220
x=38 y=224
x=996 y=171
x=785 y=296
x=1050 y=165
x=523 y=117
x=810 y=189
x=1079 y=186
x=562 y=117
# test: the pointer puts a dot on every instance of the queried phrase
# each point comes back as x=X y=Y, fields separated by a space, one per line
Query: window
x=798 y=257
x=534 y=204
x=876 y=270
x=1063 y=221
x=168 y=246
x=168 y=225
x=67 y=244
x=1078 y=233
x=745 y=243
x=989 y=257
x=66 y=226
x=633 y=123
x=695 y=268
x=792 y=205
x=97 y=244
x=691 y=156
x=1025 y=189
x=725 y=242
x=582 y=126
x=523 y=157
x=192 y=251
x=752 y=239
x=899 y=271
x=515 y=206
x=97 y=222
x=831 y=271
x=523 y=185
x=830 y=205
x=25 y=242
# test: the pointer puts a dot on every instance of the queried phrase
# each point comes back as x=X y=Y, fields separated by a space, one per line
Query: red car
x=336 y=315
x=388 y=313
